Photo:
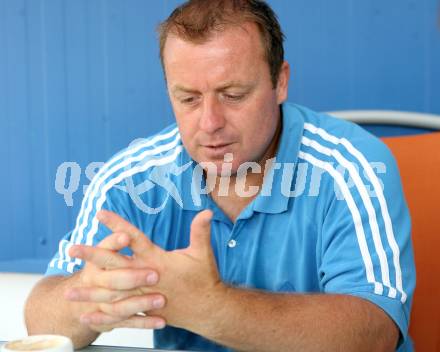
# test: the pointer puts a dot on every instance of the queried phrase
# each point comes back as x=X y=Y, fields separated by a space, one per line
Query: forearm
x=48 y=312
x=257 y=321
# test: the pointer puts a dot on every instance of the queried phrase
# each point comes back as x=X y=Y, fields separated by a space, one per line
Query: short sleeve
x=366 y=235
x=126 y=185
x=88 y=230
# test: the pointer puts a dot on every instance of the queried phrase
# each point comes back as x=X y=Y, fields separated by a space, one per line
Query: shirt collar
x=271 y=199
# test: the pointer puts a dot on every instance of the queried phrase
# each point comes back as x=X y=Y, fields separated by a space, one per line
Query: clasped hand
x=151 y=288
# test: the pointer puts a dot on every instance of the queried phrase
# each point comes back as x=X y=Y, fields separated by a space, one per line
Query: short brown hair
x=196 y=20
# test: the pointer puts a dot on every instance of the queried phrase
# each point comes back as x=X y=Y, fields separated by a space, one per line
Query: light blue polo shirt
x=331 y=217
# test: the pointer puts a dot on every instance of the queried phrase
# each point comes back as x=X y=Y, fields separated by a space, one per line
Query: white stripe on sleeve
x=379 y=192
x=357 y=221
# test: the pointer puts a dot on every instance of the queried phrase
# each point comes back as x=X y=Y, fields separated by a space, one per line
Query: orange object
x=418 y=158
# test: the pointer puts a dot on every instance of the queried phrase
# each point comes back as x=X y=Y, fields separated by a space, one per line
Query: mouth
x=217 y=150
x=217 y=146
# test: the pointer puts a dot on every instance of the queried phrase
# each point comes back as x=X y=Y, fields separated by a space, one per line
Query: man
x=236 y=259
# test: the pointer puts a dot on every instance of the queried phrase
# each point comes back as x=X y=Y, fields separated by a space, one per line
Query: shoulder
x=348 y=138
x=351 y=157
x=163 y=143
x=142 y=156
x=127 y=175
x=328 y=142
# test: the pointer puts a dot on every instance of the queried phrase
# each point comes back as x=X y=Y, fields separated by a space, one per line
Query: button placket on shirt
x=233 y=252
x=232 y=242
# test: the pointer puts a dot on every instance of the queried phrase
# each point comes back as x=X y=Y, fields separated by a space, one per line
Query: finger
x=139 y=243
x=132 y=305
x=102 y=258
x=135 y=322
x=125 y=279
x=116 y=241
x=99 y=295
x=138 y=322
x=200 y=235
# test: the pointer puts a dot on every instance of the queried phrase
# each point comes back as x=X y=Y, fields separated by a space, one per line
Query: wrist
x=212 y=311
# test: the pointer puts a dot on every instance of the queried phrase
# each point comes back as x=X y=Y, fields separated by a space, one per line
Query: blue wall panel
x=81 y=79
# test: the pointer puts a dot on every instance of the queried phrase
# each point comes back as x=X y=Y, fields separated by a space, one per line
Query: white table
x=116 y=348
x=128 y=349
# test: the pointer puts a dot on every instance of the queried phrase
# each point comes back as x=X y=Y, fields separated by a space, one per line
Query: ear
x=283 y=83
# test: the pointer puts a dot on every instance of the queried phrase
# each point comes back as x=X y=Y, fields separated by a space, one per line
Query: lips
x=217 y=145
x=217 y=150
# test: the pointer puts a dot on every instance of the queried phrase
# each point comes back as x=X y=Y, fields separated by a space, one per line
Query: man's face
x=222 y=95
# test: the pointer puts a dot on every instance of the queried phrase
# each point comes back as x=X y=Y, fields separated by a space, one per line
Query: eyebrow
x=179 y=88
x=234 y=84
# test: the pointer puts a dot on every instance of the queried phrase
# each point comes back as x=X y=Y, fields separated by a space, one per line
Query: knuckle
x=108 y=261
x=137 y=233
x=119 y=237
x=104 y=242
x=135 y=305
x=148 y=323
x=102 y=280
x=122 y=309
x=86 y=279
x=140 y=278
x=145 y=303
x=117 y=309
x=148 y=303
x=84 y=294
x=94 y=295
x=131 y=280
x=111 y=284
x=96 y=319
x=106 y=308
x=115 y=296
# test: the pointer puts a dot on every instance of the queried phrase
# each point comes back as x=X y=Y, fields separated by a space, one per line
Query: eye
x=234 y=97
x=188 y=100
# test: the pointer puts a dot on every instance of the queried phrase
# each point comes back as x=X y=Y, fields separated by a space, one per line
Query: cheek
x=188 y=134
x=258 y=135
x=260 y=128
x=186 y=126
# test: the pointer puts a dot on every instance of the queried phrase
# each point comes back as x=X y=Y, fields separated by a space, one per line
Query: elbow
x=387 y=335
x=31 y=315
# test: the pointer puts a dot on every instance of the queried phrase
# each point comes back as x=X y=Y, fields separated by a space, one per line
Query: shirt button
x=232 y=243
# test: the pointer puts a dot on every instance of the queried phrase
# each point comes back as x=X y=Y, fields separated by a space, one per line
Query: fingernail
x=158 y=302
x=152 y=278
x=74 y=251
x=159 y=324
x=100 y=216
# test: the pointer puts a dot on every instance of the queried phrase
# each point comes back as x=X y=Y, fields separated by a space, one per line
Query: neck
x=233 y=193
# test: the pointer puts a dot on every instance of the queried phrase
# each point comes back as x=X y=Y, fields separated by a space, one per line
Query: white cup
x=39 y=343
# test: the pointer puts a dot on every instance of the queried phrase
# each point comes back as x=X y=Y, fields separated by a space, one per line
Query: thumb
x=200 y=236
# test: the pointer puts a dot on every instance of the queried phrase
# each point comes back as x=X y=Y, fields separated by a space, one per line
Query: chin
x=215 y=166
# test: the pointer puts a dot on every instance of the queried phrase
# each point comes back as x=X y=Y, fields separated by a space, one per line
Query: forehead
x=237 y=45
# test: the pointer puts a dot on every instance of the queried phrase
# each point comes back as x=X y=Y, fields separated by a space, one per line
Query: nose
x=212 y=116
